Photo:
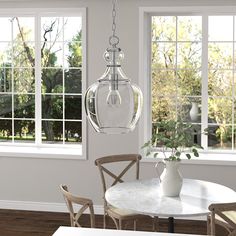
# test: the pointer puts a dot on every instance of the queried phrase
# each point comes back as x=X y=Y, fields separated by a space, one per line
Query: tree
x=172 y=89
x=24 y=79
x=166 y=81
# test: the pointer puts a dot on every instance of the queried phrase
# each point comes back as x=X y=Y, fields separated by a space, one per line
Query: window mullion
x=38 y=110
x=63 y=80
x=204 y=117
x=233 y=87
x=12 y=85
x=176 y=67
x=147 y=87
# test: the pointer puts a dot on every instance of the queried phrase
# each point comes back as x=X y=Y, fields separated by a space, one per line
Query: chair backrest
x=83 y=203
x=130 y=159
x=224 y=211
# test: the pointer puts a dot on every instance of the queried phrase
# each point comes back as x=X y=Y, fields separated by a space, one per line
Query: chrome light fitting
x=113 y=105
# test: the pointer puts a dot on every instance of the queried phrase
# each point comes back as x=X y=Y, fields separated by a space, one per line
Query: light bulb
x=113 y=98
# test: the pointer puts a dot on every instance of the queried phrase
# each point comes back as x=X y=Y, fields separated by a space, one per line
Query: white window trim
x=219 y=157
x=56 y=151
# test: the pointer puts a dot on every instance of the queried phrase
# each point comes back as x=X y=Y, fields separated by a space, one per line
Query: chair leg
x=120 y=224
x=213 y=223
x=135 y=225
x=208 y=225
x=155 y=223
x=104 y=220
x=71 y=222
x=115 y=222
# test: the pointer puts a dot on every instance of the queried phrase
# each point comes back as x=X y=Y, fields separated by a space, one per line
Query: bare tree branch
x=46 y=31
x=26 y=47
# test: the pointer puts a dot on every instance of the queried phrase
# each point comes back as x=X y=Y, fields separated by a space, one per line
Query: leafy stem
x=175 y=137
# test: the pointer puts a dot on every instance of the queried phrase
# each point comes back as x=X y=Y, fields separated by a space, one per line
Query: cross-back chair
x=104 y=166
x=83 y=203
x=223 y=214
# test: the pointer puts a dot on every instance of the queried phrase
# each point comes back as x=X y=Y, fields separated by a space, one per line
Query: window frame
x=58 y=151
x=218 y=157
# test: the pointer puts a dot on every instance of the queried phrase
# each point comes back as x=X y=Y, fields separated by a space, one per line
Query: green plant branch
x=175 y=137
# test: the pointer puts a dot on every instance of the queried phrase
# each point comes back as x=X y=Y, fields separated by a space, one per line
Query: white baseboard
x=41 y=206
x=58 y=207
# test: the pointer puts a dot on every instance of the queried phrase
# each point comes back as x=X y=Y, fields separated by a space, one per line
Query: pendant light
x=113 y=105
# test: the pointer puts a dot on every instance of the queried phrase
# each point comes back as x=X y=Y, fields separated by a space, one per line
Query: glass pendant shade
x=113 y=105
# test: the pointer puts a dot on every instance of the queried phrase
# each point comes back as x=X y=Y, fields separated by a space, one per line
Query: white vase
x=170 y=180
x=194 y=111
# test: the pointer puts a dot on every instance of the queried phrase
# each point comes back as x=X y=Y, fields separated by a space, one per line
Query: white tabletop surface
x=144 y=197
x=72 y=231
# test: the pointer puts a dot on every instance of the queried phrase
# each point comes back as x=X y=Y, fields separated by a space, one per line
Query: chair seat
x=230 y=214
x=121 y=212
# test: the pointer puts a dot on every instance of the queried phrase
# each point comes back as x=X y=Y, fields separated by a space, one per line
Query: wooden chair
x=223 y=214
x=129 y=160
x=84 y=204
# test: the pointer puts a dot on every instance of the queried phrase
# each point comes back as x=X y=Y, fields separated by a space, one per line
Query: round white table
x=145 y=197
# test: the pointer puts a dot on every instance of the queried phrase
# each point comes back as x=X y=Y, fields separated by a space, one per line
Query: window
x=176 y=69
x=42 y=78
x=191 y=64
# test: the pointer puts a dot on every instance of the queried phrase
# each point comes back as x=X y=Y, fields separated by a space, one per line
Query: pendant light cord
x=113 y=40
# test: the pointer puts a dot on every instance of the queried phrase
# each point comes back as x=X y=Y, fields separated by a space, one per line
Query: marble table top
x=145 y=197
x=75 y=231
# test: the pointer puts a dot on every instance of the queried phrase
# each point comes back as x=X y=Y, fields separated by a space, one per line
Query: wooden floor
x=25 y=223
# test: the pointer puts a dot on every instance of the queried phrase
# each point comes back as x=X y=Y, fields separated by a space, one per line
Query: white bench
x=73 y=231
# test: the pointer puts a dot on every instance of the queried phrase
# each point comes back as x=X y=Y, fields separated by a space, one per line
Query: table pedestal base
x=171 y=226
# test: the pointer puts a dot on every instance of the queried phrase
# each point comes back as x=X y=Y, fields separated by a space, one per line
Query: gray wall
x=28 y=179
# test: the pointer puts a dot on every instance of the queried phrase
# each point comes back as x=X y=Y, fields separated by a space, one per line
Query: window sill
x=210 y=158
x=42 y=152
